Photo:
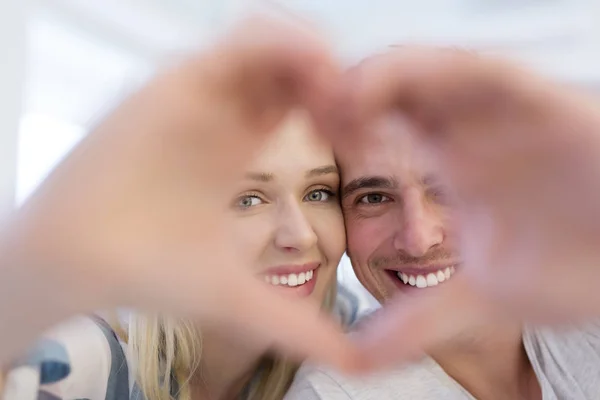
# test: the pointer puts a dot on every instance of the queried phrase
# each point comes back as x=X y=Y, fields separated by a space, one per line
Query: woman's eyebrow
x=324 y=170
x=259 y=176
x=267 y=176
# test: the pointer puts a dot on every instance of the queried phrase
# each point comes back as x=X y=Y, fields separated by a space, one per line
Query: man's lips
x=422 y=268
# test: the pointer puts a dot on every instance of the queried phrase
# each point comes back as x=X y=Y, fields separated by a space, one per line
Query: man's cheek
x=359 y=245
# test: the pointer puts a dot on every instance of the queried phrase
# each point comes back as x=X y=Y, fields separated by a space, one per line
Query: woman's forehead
x=294 y=145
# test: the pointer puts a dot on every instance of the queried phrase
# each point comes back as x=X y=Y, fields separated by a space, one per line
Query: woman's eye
x=318 y=195
x=373 y=198
x=249 y=201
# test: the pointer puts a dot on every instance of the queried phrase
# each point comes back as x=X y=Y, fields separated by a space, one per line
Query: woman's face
x=287 y=218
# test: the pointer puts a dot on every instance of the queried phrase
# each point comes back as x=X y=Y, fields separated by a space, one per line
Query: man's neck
x=490 y=362
x=226 y=367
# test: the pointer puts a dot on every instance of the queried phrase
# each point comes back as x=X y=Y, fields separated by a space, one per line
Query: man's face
x=396 y=214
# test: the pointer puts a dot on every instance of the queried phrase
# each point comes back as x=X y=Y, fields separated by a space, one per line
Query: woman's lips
x=297 y=279
x=292 y=268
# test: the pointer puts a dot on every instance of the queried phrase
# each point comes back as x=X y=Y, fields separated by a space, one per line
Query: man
x=398 y=216
x=520 y=155
x=273 y=70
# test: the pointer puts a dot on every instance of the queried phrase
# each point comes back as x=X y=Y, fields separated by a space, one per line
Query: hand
x=135 y=216
x=522 y=155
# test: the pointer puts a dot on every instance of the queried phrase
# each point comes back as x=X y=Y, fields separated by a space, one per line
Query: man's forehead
x=387 y=151
x=357 y=161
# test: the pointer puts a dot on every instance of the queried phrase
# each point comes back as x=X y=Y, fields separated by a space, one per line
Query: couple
x=288 y=214
x=149 y=188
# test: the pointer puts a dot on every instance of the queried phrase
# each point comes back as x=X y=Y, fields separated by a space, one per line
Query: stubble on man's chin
x=380 y=293
x=384 y=295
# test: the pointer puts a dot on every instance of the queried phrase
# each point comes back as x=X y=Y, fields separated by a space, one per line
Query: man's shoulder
x=420 y=379
x=567 y=359
x=581 y=339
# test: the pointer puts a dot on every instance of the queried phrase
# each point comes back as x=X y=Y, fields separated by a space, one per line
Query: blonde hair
x=164 y=351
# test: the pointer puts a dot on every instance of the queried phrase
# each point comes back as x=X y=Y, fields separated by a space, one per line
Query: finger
x=275 y=63
x=428 y=85
x=409 y=326
x=249 y=82
x=257 y=74
x=212 y=287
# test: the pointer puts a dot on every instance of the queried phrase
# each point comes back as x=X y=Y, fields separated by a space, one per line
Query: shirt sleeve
x=349 y=306
x=79 y=359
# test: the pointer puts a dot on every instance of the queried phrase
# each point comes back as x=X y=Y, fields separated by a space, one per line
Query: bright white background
x=64 y=62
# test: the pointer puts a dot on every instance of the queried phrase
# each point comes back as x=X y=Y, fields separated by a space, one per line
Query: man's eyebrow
x=368 y=182
x=324 y=170
x=431 y=180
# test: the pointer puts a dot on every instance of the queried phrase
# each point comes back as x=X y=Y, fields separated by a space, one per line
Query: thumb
x=409 y=326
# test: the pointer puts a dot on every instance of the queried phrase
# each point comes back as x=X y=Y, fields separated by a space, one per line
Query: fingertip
x=409 y=326
x=409 y=79
x=334 y=112
x=345 y=357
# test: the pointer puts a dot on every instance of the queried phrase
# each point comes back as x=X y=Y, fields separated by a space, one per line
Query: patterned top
x=83 y=359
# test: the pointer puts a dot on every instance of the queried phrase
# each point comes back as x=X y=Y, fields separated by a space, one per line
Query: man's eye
x=373 y=198
x=438 y=195
x=249 y=201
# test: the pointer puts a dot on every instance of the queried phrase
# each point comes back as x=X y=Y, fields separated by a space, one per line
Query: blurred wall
x=12 y=73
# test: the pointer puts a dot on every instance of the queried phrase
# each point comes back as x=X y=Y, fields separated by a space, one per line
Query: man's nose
x=421 y=229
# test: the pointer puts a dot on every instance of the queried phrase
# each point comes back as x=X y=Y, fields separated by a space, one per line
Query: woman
x=285 y=220
x=122 y=220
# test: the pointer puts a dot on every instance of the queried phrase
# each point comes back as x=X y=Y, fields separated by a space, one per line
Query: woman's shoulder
x=80 y=358
x=351 y=306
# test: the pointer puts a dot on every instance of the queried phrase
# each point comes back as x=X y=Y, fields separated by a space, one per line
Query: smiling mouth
x=291 y=280
x=424 y=278
x=299 y=284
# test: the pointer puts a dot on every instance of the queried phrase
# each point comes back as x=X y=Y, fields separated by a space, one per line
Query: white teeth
x=403 y=277
x=301 y=278
x=431 y=279
x=441 y=277
x=290 y=279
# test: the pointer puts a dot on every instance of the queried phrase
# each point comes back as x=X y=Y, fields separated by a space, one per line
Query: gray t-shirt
x=566 y=362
